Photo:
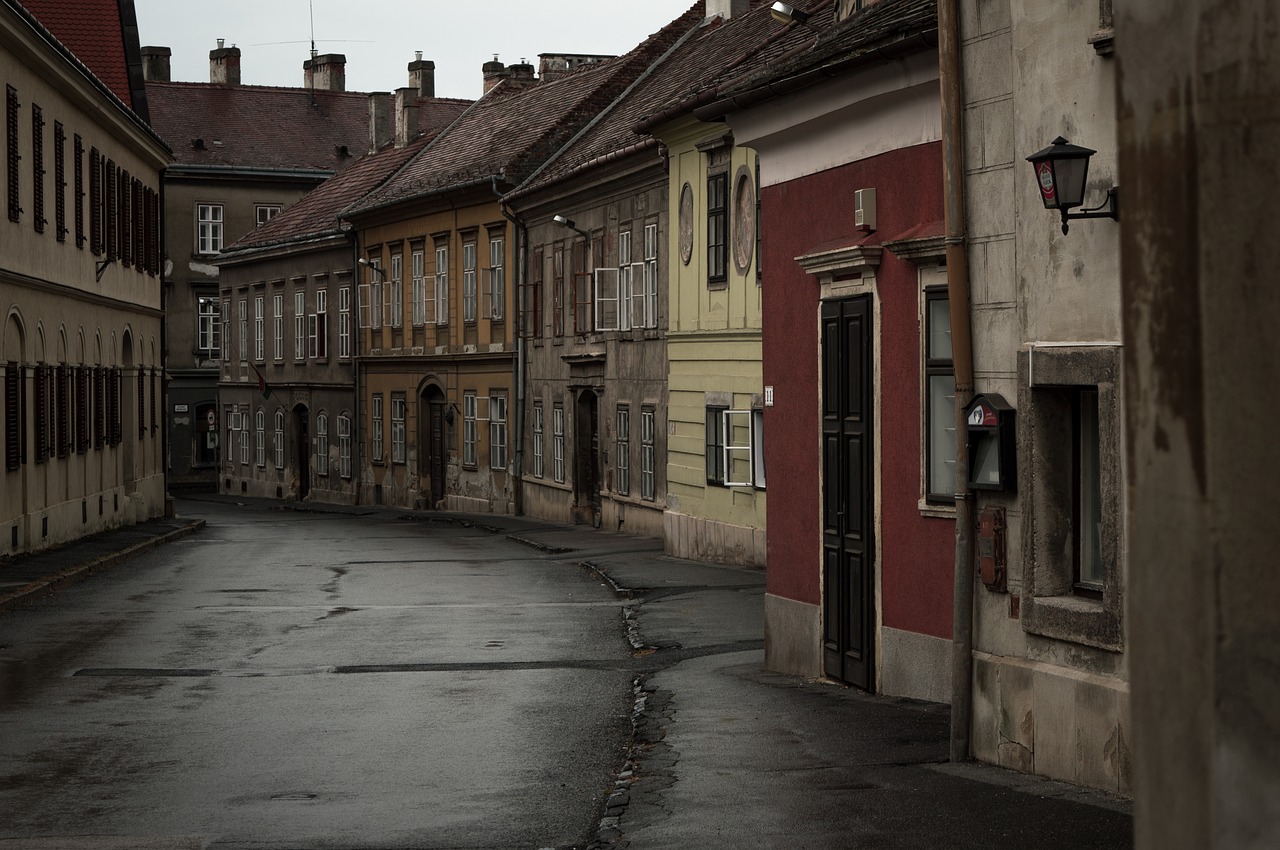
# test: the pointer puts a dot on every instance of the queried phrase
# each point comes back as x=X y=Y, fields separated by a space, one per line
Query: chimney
x=553 y=66
x=522 y=73
x=727 y=8
x=494 y=73
x=379 y=120
x=224 y=65
x=155 y=64
x=326 y=72
x=422 y=75
x=406 y=116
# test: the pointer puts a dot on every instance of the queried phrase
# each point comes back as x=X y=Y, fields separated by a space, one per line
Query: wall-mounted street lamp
x=568 y=222
x=381 y=274
x=786 y=13
x=1061 y=172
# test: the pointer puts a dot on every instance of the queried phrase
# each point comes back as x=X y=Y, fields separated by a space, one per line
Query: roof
x=882 y=31
x=708 y=54
x=511 y=131
x=315 y=215
x=308 y=128
x=104 y=37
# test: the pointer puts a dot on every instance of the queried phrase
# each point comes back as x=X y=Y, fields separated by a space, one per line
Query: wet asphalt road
x=295 y=680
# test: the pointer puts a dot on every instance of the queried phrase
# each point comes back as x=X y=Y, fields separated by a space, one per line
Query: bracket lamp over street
x=568 y=222
x=1061 y=172
x=786 y=13
x=362 y=261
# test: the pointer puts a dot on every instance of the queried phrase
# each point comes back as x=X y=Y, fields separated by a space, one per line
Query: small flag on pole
x=262 y=383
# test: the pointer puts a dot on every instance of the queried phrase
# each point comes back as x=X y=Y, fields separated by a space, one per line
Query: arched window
x=279 y=439
x=322 y=444
x=260 y=436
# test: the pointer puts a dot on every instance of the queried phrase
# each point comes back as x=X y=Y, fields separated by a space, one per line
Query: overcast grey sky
x=379 y=37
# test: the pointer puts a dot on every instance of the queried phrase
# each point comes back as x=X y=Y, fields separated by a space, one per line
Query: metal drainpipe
x=357 y=465
x=165 y=416
x=962 y=358
x=522 y=269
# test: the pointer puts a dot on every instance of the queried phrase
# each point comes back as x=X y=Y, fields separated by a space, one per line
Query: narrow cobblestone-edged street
x=363 y=678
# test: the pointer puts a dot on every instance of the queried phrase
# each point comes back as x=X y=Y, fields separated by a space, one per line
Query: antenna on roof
x=311 y=8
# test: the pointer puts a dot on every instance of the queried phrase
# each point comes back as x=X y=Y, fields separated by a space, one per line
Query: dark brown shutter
x=125 y=217
x=83 y=391
x=42 y=415
x=37 y=168
x=62 y=412
x=112 y=181
x=60 y=181
x=78 y=197
x=142 y=398
x=13 y=416
x=99 y=407
x=12 y=156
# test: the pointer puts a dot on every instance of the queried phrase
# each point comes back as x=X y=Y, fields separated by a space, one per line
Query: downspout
x=522 y=271
x=169 y=506
x=949 y=72
x=357 y=465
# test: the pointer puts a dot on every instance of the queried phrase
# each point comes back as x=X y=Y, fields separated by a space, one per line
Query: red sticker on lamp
x=982 y=415
x=1044 y=173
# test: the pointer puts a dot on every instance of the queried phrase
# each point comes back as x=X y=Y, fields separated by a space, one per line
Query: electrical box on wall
x=864 y=210
x=993 y=457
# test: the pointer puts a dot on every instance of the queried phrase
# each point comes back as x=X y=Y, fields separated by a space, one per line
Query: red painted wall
x=917 y=553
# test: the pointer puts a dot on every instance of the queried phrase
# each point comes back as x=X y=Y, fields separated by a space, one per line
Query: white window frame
x=469 y=453
x=322 y=444
x=277 y=324
x=260 y=437
x=244 y=437
x=244 y=329
x=607 y=300
x=265 y=212
x=208 y=229
x=626 y=280
x=279 y=439
x=650 y=276
x=344 y=323
x=498 y=431
x=299 y=324
x=497 y=279
x=259 y=328
x=739 y=421
x=939 y=425
x=538 y=462
x=399 y=413
x=648 y=434
x=396 y=294
x=344 y=446
x=557 y=442
x=442 y=285
x=469 y=281
x=318 y=327
x=622 y=450
x=419 y=283
x=208 y=326
x=375 y=304
x=226 y=330
x=375 y=415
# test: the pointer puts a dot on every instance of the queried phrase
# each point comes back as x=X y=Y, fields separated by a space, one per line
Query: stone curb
x=73 y=575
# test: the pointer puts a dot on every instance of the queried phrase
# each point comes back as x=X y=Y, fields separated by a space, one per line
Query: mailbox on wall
x=993 y=460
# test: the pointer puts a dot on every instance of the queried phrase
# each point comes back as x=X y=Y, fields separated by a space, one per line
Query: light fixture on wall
x=786 y=13
x=568 y=222
x=1061 y=172
x=364 y=262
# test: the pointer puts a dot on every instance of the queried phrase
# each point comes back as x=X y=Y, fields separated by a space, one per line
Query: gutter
x=951 y=83
x=180 y=169
x=522 y=271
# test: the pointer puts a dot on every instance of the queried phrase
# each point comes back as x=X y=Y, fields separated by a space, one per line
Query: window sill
x=936 y=509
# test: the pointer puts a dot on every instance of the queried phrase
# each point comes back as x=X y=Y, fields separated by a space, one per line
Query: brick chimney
x=727 y=8
x=155 y=64
x=521 y=73
x=380 y=125
x=326 y=72
x=422 y=75
x=224 y=65
x=494 y=72
x=406 y=116
x=553 y=66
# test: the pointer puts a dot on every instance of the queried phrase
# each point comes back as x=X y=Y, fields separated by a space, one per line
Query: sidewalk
x=725 y=754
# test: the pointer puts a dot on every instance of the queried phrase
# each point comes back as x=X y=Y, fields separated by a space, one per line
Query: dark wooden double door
x=848 y=492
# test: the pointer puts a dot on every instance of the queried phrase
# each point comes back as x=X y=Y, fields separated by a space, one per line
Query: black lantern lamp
x=1061 y=172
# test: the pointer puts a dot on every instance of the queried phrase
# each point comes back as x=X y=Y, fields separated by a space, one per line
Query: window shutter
x=42 y=414
x=13 y=416
x=95 y=201
x=142 y=396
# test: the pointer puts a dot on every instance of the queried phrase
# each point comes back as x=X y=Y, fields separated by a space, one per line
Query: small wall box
x=993 y=458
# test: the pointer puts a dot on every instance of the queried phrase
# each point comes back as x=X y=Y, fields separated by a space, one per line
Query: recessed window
x=940 y=399
x=648 y=434
x=469 y=457
x=468 y=281
x=265 y=212
x=622 y=450
x=537 y=440
x=208 y=228
x=498 y=431
x=399 y=408
x=717 y=228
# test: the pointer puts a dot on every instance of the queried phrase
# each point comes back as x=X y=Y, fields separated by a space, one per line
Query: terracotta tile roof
x=307 y=129
x=508 y=133
x=93 y=31
x=315 y=215
x=710 y=53
x=884 y=30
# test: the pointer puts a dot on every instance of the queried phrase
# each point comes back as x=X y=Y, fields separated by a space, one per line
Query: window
x=583 y=321
x=647 y=453
x=497 y=293
x=344 y=446
x=111 y=181
x=648 y=316
x=557 y=289
x=715 y=445
x=318 y=327
x=497 y=432
x=95 y=202
x=279 y=439
x=442 y=284
x=15 y=423
x=322 y=444
x=260 y=437
x=244 y=330
x=717 y=228
x=375 y=415
x=243 y=424
x=398 y=409
x=531 y=299
x=208 y=325
x=277 y=326
x=226 y=330
x=396 y=294
x=468 y=281
x=60 y=180
x=940 y=401
x=299 y=324
x=77 y=192
x=265 y=212
x=375 y=305
x=469 y=429
x=344 y=323
x=11 y=152
x=419 y=288
x=622 y=451
x=208 y=228
x=1073 y=570
x=538 y=467
x=229 y=416
x=259 y=330
x=557 y=442
x=614 y=290
x=37 y=168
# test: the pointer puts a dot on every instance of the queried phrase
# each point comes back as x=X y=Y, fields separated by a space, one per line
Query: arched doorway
x=586 y=458
x=433 y=440
x=302 y=449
